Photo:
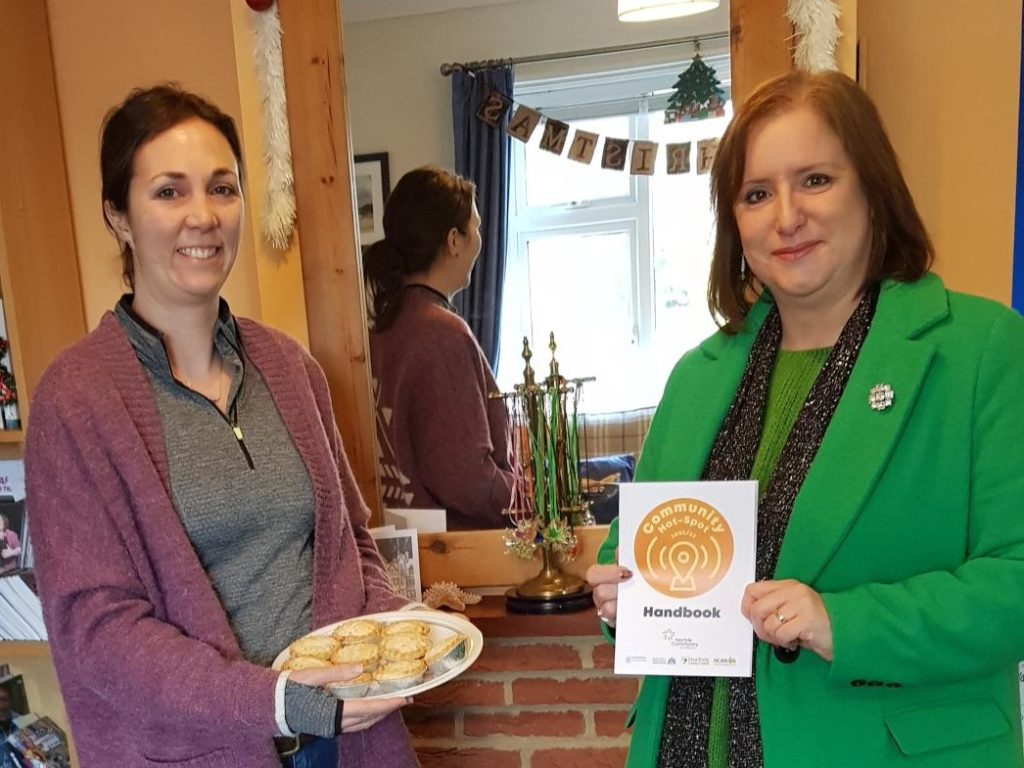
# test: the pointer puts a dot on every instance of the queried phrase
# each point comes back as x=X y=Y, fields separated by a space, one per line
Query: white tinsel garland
x=817 y=30
x=279 y=213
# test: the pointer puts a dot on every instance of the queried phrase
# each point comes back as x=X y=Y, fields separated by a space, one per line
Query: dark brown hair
x=900 y=246
x=143 y=115
x=423 y=208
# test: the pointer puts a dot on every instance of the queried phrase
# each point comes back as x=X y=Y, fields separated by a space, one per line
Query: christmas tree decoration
x=816 y=23
x=697 y=96
x=548 y=503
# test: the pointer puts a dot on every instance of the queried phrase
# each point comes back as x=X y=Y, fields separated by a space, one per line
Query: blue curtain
x=482 y=155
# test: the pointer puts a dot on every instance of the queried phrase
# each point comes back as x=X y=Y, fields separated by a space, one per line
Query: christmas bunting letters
x=583 y=145
x=523 y=123
x=640 y=157
x=554 y=136
x=706 y=154
x=641 y=162
x=493 y=108
x=678 y=157
x=614 y=154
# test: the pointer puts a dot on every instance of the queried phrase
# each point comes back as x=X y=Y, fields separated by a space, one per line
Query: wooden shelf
x=24 y=649
x=493 y=620
x=11 y=435
x=479 y=559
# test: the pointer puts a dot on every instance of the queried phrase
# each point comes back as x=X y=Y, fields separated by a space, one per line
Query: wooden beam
x=42 y=294
x=761 y=38
x=314 y=75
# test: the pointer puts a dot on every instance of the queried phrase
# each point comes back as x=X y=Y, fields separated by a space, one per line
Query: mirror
x=400 y=104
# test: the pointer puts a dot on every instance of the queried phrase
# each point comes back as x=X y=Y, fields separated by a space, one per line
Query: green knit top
x=792 y=379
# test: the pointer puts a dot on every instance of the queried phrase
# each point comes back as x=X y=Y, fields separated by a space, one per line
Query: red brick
x=595 y=690
x=429 y=722
x=578 y=758
x=610 y=722
x=497 y=657
x=461 y=693
x=523 y=724
x=604 y=656
x=468 y=758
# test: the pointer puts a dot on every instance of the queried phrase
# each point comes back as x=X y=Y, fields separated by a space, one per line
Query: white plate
x=442 y=626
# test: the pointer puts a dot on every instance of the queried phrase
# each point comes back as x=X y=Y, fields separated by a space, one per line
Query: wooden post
x=761 y=41
x=332 y=275
x=39 y=277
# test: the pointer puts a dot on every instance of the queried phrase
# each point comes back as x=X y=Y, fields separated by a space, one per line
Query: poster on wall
x=13 y=524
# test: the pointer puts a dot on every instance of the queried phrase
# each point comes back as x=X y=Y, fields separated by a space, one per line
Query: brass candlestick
x=548 y=504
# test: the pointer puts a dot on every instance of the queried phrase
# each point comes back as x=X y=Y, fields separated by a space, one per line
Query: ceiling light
x=653 y=10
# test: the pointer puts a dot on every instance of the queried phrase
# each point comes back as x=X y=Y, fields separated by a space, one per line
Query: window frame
x=580 y=97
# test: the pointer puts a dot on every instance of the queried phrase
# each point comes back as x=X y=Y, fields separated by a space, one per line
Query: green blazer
x=910 y=524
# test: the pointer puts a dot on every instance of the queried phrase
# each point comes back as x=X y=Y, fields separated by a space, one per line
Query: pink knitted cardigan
x=149 y=668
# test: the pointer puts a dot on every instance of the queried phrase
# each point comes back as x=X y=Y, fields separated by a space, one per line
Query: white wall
x=400 y=103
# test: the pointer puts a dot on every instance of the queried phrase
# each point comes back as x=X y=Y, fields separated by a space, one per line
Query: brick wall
x=528 y=702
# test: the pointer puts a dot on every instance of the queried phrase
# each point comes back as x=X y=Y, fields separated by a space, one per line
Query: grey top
x=245 y=501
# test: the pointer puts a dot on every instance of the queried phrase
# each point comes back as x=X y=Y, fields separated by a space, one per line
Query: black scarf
x=684 y=739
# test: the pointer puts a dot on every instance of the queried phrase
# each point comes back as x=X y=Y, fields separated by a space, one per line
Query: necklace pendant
x=881 y=397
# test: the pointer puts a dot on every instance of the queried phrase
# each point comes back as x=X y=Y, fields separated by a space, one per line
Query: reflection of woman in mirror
x=10 y=545
x=443 y=439
x=192 y=509
x=881 y=415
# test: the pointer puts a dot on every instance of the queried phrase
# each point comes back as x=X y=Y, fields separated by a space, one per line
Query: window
x=615 y=265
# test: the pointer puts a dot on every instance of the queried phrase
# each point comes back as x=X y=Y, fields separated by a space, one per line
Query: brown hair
x=900 y=246
x=143 y=115
x=423 y=208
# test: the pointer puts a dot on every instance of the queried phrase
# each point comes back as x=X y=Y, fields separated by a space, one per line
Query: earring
x=743 y=267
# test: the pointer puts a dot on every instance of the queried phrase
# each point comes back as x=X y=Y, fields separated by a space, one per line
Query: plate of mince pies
x=402 y=653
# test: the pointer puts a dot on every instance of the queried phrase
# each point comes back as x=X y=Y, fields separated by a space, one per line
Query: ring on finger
x=780 y=616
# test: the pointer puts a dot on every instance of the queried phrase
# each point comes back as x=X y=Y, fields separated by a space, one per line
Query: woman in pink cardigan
x=191 y=505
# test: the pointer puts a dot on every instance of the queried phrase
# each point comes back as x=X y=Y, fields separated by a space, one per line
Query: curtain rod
x=447 y=69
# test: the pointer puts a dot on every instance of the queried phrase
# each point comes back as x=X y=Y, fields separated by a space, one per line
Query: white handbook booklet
x=691 y=548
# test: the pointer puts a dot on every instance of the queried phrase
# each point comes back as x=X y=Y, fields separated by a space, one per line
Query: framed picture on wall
x=400 y=552
x=13 y=523
x=373 y=184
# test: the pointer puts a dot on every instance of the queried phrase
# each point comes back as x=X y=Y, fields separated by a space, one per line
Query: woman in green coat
x=883 y=418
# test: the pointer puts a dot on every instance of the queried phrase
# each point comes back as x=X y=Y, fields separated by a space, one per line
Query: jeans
x=322 y=753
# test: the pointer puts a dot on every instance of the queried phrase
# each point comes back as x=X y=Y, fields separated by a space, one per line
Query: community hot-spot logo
x=683 y=548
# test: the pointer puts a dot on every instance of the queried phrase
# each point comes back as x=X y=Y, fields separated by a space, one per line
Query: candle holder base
x=516 y=602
